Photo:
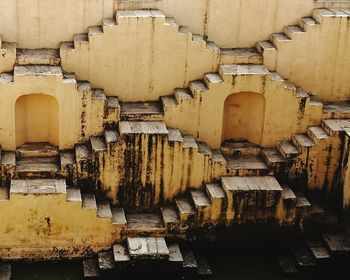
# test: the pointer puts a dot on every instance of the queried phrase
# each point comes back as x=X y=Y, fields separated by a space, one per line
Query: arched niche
x=244 y=117
x=37 y=119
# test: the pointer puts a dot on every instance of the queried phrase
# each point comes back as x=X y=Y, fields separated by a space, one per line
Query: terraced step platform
x=38 y=57
x=38 y=186
x=140 y=111
x=37 y=167
x=145 y=224
x=38 y=149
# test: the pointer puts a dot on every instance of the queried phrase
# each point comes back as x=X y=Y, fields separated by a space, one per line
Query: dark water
x=226 y=263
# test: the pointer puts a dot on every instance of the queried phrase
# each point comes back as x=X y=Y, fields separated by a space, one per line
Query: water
x=227 y=263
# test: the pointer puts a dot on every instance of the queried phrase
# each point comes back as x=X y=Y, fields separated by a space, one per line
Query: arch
x=244 y=117
x=37 y=119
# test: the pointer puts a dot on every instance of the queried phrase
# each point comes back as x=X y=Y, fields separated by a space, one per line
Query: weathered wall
x=79 y=115
x=36 y=227
x=203 y=115
x=147 y=169
x=140 y=58
x=230 y=23
x=45 y=23
x=318 y=60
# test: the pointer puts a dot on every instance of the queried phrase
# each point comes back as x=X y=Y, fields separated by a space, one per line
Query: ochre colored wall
x=79 y=115
x=37 y=119
x=230 y=23
x=318 y=60
x=244 y=117
x=45 y=23
x=37 y=227
x=140 y=58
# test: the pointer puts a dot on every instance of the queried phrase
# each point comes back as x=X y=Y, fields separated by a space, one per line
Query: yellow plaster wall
x=140 y=58
x=318 y=60
x=203 y=115
x=45 y=23
x=230 y=23
x=47 y=226
x=76 y=117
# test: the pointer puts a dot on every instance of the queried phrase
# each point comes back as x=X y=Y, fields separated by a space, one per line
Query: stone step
x=204 y=149
x=38 y=186
x=83 y=159
x=318 y=250
x=106 y=260
x=118 y=217
x=129 y=127
x=302 y=141
x=243 y=70
x=185 y=209
x=335 y=126
x=97 y=144
x=141 y=111
x=175 y=135
x=265 y=48
x=247 y=166
x=317 y=134
x=273 y=159
x=91 y=268
x=302 y=204
x=197 y=87
x=182 y=94
x=145 y=224
x=337 y=243
x=37 y=150
x=74 y=195
x=89 y=202
x=148 y=248
x=189 y=261
x=287 y=264
x=212 y=79
x=291 y=31
x=279 y=39
x=336 y=109
x=303 y=257
x=37 y=70
x=307 y=22
x=202 y=205
x=168 y=101
x=189 y=142
x=238 y=148
x=104 y=210
x=80 y=40
x=38 y=57
x=170 y=217
x=34 y=167
x=121 y=254
x=246 y=190
x=68 y=164
x=111 y=136
x=217 y=198
x=240 y=56
x=175 y=255
x=287 y=149
x=8 y=160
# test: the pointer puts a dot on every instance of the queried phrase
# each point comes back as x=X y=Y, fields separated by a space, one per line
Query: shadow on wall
x=244 y=114
x=37 y=119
